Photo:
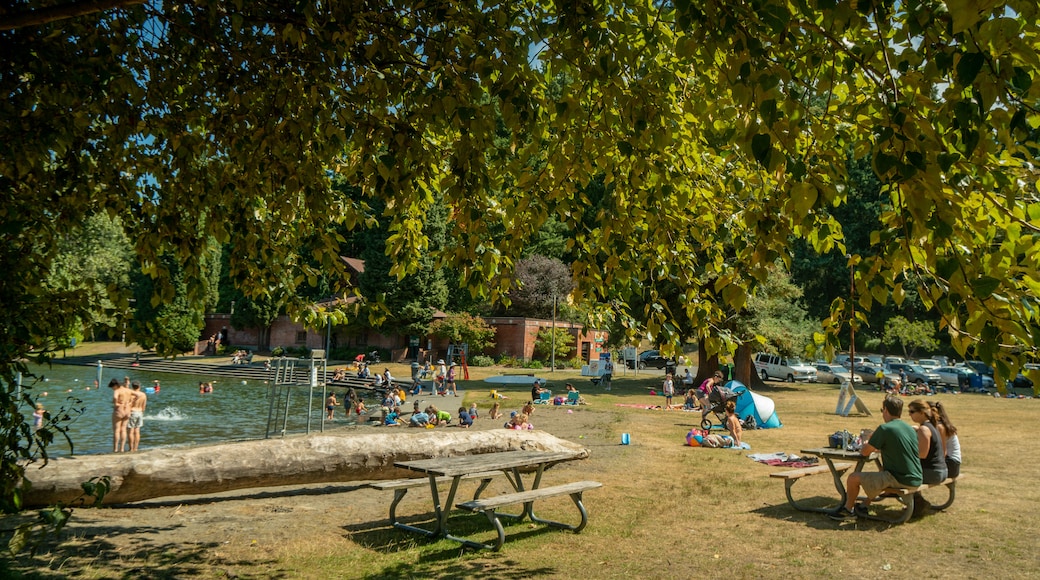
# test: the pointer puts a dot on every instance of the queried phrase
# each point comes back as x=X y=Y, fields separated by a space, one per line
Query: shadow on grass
x=314 y=489
x=87 y=552
x=440 y=557
x=820 y=521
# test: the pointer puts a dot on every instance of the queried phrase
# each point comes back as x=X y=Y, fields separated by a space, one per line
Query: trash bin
x=975 y=382
x=415 y=371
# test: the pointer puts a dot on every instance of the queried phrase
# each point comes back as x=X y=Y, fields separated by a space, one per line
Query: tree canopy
x=714 y=132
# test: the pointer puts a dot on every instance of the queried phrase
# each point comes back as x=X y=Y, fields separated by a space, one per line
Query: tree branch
x=61 y=12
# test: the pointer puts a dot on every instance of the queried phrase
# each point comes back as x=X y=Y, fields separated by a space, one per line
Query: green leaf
x=804 y=196
x=968 y=67
x=984 y=287
x=761 y=147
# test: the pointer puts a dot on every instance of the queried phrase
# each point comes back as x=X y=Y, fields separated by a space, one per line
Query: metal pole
x=852 y=322
x=99 y=368
x=310 y=400
x=18 y=387
x=552 y=356
x=285 y=416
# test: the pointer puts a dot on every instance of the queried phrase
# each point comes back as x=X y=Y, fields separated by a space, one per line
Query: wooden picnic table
x=513 y=464
x=834 y=459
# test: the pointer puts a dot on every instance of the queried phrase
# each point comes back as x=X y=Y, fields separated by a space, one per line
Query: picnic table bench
x=484 y=467
x=400 y=487
x=489 y=506
x=791 y=476
x=905 y=495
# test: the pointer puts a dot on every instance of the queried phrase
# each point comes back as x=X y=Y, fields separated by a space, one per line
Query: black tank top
x=934 y=463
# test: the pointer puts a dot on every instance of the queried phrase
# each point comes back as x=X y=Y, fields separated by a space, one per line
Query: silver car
x=833 y=373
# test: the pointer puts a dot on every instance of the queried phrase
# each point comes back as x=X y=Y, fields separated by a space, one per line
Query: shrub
x=482 y=361
x=576 y=363
x=535 y=364
x=508 y=360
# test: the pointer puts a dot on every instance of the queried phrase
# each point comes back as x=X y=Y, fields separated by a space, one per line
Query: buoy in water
x=243 y=382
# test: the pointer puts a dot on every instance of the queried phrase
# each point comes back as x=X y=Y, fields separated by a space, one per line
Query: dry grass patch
x=665 y=511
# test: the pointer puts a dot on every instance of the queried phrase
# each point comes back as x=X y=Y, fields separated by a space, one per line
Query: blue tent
x=761 y=408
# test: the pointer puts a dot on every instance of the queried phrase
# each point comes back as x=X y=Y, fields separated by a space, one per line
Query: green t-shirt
x=897 y=442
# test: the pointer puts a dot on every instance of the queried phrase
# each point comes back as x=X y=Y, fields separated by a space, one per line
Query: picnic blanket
x=783 y=459
x=655 y=407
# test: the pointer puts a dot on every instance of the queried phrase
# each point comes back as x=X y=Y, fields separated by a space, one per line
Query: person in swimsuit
x=137 y=405
x=330 y=406
x=121 y=400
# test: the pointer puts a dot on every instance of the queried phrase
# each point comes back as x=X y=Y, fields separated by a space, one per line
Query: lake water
x=177 y=414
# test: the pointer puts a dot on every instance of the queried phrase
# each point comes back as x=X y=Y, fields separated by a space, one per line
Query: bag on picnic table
x=836 y=440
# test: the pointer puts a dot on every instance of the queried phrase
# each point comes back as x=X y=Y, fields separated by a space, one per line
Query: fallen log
x=324 y=458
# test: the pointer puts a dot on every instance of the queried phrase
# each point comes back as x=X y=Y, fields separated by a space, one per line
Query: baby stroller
x=717 y=400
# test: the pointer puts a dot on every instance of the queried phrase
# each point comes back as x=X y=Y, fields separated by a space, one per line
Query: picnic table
x=513 y=464
x=839 y=461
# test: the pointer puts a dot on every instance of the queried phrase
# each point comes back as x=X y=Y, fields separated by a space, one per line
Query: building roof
x=356 y=265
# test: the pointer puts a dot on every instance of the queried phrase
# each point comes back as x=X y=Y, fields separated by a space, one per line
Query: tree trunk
x=744 y=369
x=706 y=365
x=269 y=462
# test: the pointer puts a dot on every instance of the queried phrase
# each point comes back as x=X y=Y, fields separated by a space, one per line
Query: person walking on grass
x=897 y=443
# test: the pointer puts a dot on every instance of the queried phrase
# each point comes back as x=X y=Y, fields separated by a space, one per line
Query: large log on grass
x=270 y=462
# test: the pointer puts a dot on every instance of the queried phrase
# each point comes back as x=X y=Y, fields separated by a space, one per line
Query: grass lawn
x=666 y=510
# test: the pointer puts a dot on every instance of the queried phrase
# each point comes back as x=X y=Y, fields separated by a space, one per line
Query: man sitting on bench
x=897 y=442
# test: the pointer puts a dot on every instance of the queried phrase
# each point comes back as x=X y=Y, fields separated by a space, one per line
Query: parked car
x=915 y=373
x=889 y=360
x=649 y=359
x=834 y=373
x=978 y=366
x=860 y=360
x=785 y=368
x=929 y=363
x=1020 y=382
x=869 y=374
x=961 y=377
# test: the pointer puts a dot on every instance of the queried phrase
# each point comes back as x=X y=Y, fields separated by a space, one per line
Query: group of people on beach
x=128 y=405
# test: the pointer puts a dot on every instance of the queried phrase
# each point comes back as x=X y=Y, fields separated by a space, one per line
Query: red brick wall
x=515 y=336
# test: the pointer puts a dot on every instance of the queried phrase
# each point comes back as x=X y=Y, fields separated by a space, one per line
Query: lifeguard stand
x=459 y=353
x=285 y=378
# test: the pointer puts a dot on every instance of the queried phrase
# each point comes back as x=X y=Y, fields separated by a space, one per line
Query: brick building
x=515 y=336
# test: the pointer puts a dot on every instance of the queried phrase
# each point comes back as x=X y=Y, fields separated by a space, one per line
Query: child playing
x=691 y=400
x=465 y=419
x=473 y=411
x=495 y=413
x=38 y=417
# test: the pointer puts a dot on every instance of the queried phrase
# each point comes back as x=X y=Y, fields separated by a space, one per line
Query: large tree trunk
x=744 y=369
x=270 y=462
x=706 y=365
